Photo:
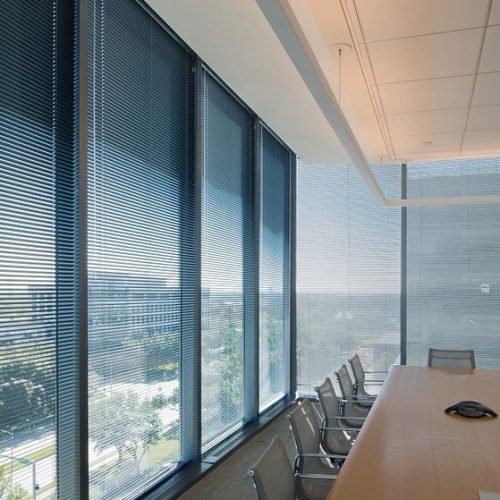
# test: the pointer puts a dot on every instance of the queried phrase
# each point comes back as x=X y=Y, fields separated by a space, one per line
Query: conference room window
x=227 y=147
x=274 y=269
x=140 y=171
x=453 y=265
x=38 y=268
x=348 y=272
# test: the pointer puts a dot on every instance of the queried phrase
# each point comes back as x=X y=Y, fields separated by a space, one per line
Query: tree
x=26 y=388
x=122 y=421
x=230 y=359
x=9 y=491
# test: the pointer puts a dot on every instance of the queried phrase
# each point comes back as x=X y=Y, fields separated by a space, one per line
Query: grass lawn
x=163 y=451
x=36 y=456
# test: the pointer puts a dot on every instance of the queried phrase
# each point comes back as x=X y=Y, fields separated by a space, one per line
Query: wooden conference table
x=409 y=449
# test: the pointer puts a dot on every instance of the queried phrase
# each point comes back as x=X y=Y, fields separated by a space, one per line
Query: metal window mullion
x=292 y=293
x=251 y=280
x=190 y=382
x=70 y=264
x=404 y=267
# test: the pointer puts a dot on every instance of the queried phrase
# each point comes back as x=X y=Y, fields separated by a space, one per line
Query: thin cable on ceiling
x=340 y=69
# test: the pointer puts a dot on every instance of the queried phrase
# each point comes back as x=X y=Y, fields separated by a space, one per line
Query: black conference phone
x=471 y=409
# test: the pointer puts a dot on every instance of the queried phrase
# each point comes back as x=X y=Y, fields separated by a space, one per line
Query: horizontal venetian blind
x=274 y=271
x=453 y=261
x=227 y=170
x=348 y=272
x=139 y=168
x=38 y=319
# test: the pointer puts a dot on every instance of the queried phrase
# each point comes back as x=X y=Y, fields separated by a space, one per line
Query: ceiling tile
x=481 y=140
x=385 y=19
x=495 y=13
x=484 y=117
x=422 y=95
x=487 y=89
x=447 y=54
x=427 y=122
x=490 y=59
x=414 y=144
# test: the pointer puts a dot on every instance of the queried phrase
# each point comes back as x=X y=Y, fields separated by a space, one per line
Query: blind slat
x=139 y=163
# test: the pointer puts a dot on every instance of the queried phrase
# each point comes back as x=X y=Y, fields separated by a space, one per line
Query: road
x=24 y=444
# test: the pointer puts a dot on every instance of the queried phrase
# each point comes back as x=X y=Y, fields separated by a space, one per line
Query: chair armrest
x=320 y=455
x=375 y=371
x=340 y=417
x=373 y=381
x=357 y=400
x=339 y=429
x=314 y=476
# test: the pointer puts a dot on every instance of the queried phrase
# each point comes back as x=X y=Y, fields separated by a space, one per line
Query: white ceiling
x=419 y=79
x=236 y=41
x=423 y=75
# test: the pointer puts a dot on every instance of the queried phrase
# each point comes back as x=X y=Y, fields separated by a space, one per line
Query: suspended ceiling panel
x=429 y=68
x=236 y=41
x=490 y=60
x=424 y=57
x=486 y=91
x=424 y=95
x=495 y=13
x=391 y=19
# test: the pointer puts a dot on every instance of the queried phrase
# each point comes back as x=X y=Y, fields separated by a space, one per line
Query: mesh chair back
x=345 y=382
x=272 y=473
x=442 y=358
x=357 y=369
x=305 y=427
x=328 y=399
x=334 y=441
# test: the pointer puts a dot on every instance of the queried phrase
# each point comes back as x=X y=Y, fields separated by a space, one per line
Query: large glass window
x=274 y=270
x=226 y=197
x=453 y=264
x=139 y=166
x=348 y=272
x=118 y=262
x=37 y=245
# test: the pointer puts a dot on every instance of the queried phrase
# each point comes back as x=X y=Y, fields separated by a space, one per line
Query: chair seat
x=365 y=404
x=337 y=446
x=316 y=489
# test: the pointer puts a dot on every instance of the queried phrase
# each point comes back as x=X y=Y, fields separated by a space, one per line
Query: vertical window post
x=292 y=252
x=404 y=268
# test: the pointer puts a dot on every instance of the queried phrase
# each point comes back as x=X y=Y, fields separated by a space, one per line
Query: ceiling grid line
x=421 y=35
x=286 y=26
x=474 y=78
x=383 y=132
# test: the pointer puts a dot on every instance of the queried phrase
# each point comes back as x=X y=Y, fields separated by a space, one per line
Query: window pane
x=348 y=272
x=137 y=182
x=228 y=130
x=453 y=265
x=273 y=301
x=37 y=320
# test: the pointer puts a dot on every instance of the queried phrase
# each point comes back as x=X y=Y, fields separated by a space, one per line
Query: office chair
x=444 y=358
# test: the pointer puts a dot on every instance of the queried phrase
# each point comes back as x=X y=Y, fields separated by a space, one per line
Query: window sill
x=189 y=474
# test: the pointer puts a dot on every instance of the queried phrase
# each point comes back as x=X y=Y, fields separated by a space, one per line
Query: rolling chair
x=445 y=358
